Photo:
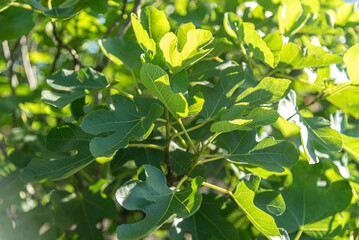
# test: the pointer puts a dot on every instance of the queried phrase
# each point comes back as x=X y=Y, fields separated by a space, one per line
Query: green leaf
x=156 y=80
x=157 y=201
x=195 y=103
x=288 y=15
x=347 y=100
x=351 y=145
x=18 y=21
x=179 y=82
x=182 y=34
x=270 y=154
x=270 y=202
x=233 y=119
x=154 y=22
x=122 y=51
x=192 y=48
x=144 y=40
x=292 y=56
x=141 y=156
x=130 y=119
x=67 y=9
x=83 y=209
x=308 y=206
x=63 y=138
x=70 y=85
x=269 y=90
x=343 y=13
x=311 y=129
x=274 y=42
x=218 y=97
x=256 y=44
x=351 y=58
x=206 y=223
x=245 y=32
x=244 y=197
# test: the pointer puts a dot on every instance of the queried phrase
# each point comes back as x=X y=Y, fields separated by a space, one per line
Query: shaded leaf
x=218 y=97
x=130 y=119
x=157 y=201
x=309 y=207
x=122 y=51
x=63 y=138
x=84 y=209
x=270 y=154
x=70 y=85
x=206 y=223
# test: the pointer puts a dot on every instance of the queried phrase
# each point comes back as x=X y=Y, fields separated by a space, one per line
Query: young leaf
x=311 y=129
x=288 y=15
x=270 y=154
x=157 y=201
x=269 y=90
x=191 y=51
x=122 y=51
x=256 y=44
x=347 y=100
x=244 y=197
x=206 y=223
x=63 y=138
x=351 y=145
x=153 y=21
x=128 y=120
x=156 y=80
x=309 y=207
x=351 y=58
x=71 y=85
x=292 y=56
x=274 y=42
x=245 y=32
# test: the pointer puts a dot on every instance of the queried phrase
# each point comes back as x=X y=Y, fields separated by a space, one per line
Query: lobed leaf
x=70 y=85
x=157 y=201
x=270 y=154
x=130 y=119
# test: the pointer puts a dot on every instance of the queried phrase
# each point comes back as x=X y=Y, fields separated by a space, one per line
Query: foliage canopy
x=181 y=119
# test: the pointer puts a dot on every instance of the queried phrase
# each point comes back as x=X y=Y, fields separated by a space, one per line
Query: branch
x=169 y=175
x=117 y=21
x=56 y=58
x=126 y=23
x=27 y=65
x=72 y=51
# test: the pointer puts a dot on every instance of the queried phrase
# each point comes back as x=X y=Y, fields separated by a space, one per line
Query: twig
x=72 y=51
x=56 y=58
x=144 y=145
